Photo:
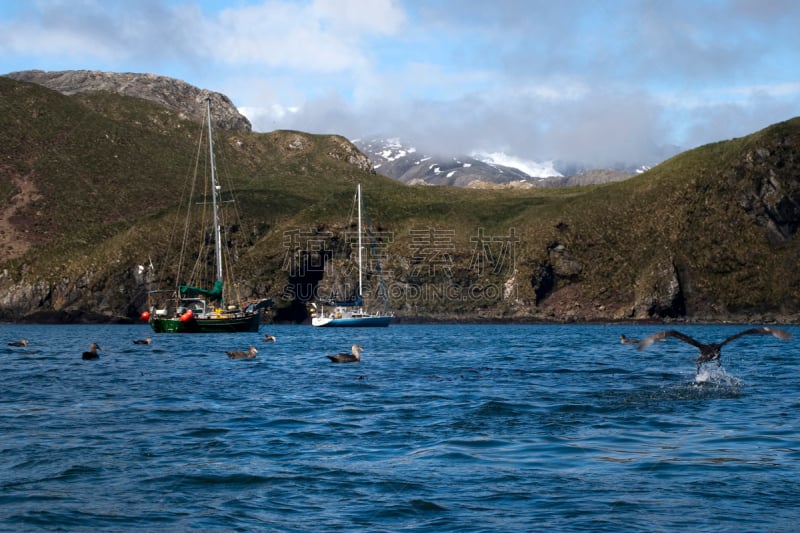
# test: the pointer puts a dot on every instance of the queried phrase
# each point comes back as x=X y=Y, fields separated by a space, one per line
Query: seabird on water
x=627 y=340
x=268 y=338
x=146 y=340
x=21 y=342
x=239 y=354
x=92 y=353
x=710 y=352
x=353 y=357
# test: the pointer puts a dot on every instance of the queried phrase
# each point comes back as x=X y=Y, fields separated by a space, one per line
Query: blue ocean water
x=440 y=427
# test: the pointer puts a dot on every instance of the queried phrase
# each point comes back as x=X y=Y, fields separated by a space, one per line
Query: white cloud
x=535 y=79
x=773 y=89
x=279 y=35
x=376 y=16
x=266 y=115
x=322 y=36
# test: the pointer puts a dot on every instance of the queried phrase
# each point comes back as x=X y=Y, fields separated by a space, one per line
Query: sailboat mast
x=214 y=191
x=360 y=287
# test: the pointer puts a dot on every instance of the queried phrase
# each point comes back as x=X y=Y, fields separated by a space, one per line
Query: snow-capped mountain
x=405 y=163
x=401 y=161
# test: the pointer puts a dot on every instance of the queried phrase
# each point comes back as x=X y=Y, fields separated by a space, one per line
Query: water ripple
x=460 y=428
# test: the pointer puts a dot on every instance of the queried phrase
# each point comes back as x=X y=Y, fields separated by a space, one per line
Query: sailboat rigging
x=193 y=309
x=353 y=314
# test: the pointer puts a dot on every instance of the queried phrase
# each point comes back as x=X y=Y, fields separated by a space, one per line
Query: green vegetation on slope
x=709 y=234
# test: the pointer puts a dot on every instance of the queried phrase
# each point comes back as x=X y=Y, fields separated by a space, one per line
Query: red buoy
x=187 y=316
x=146 y=316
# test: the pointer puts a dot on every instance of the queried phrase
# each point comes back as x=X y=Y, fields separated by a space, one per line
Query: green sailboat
x=194 y=309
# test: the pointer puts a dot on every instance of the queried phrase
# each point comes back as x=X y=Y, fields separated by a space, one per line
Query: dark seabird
x=269 y=338
x=146 y=340
x=239 y=354
x=626 y=340
x=353 y=357
x=21 y=342
x=92 y=353
x=710 y=352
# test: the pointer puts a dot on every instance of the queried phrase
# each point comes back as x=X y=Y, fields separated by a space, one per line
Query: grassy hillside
x=89 y=187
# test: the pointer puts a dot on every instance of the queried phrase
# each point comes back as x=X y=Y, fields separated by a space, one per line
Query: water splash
x=717 y=376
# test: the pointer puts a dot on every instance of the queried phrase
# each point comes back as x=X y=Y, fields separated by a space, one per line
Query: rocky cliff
x=177 y=95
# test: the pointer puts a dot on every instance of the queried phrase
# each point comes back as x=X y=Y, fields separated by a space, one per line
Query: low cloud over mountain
x=404 y=162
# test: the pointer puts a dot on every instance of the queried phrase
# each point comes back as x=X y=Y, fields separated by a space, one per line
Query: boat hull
x=248 y=323
x=357 y=322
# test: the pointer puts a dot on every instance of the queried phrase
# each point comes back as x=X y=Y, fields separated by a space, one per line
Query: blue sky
x=597 y=82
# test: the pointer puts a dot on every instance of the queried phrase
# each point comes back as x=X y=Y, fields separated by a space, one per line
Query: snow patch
x=391 y=149
x=531 y=168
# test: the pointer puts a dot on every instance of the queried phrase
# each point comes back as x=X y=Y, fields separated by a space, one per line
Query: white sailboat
x=351 y=314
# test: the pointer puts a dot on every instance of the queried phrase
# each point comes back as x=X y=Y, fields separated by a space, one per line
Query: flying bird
x=92 y=353
x=353 y=357
x=710 y=352
x=239 y=354
x=21 y=342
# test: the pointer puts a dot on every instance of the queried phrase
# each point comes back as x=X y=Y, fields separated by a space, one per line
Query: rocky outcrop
x=336 y=147
x=174 y=94
x=774 y=199
x=658 y=292
x=67 y=299
x=559 y=270
x=345 y=151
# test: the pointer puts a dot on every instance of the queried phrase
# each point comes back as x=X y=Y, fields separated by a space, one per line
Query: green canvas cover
x=189 y=291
